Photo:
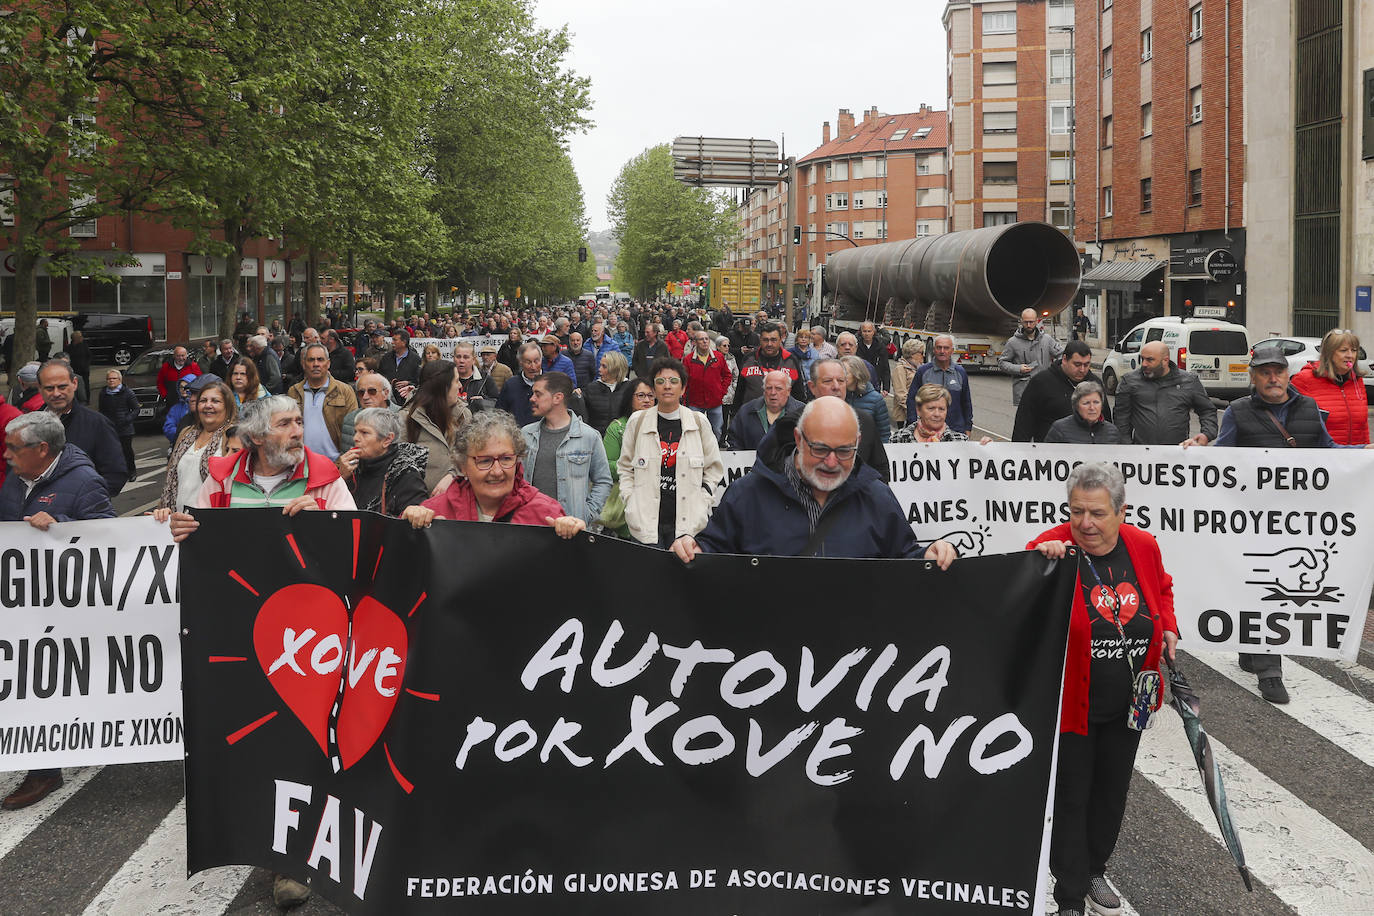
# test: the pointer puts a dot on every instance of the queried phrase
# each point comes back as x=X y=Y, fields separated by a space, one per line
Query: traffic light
x=796 y=235
x=582 y=255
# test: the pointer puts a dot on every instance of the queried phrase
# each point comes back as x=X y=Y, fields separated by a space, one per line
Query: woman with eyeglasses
x=489 y=452
x=1334 y=382
x=669 y=463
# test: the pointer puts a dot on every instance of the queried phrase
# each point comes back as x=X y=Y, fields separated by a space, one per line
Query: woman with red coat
x=1121 y=620
x=1335 y=384
x=489 y=452
x=677 y=340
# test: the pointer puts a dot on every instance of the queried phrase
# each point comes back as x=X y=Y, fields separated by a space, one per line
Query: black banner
x=485 y=718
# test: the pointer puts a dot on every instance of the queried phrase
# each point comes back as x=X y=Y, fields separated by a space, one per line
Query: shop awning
x=1125 y=276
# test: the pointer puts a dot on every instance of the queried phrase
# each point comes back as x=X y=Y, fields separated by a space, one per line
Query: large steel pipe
x=978 y=281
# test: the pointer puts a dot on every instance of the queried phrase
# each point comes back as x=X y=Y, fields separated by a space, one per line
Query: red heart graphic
x=301 y=639
x=1126 y=598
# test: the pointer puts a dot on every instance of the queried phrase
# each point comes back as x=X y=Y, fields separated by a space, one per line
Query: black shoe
x=1247 y=664
x=1272 y=689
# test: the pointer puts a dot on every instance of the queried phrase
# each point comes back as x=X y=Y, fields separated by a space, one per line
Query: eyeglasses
x=666 y=382
x=484 y=462
x=1337 y=331
x=822 y=452
x=369 y=391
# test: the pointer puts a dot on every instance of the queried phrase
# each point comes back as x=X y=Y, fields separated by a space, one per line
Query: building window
x=999 y=23
x=921 y=133
x=842 y=228
x=6 y=200
x=841 y=170
x=1106 y=4
x=1059 y=217
x=829 y=171
x=838 y=201
x=1061 y=167
x=856 y=169
x=1107 y=132
x=899 y=135
x=1060 y=13
x=1195 y=104
x=84 y=229
x=1061 y=68
x=81 y=136
x=1147 y=44
x=1147 y=121
x=923 y=168
x=882 y=200
x=1107 y=200
x=998 y=219
x=1147 y=199
x=922 y=230
x=1195 y=188
x=1061 y=117
x=999 y=173
x=999 y=73
x=1107 y=61
x=1194 y=22
x=811 y=204
x=879 y=166
x=859 y=200
x=999 y=122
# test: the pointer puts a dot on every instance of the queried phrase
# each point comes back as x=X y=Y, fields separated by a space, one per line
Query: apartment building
x=1011 y=121
x=1310 y=172
x=1161 y=159
x=878 y=178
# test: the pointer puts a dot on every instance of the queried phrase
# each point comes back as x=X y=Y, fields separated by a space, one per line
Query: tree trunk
x=389 y=291
x=233 y=266
x=432 y=297
x=352 y=304
x=312 y=289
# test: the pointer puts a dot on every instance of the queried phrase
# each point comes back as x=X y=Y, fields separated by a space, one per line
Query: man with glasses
x=809 y=496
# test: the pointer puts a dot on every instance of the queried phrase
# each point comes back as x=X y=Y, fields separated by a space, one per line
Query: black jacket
x=645 y=354
x=584 y=364
x=508 y=354
x=342 y=365
x=95 y=435
x=746 y=429
x=602 y=403
x=876 y=355
x=481 y=392
x=120 y=408
x=399 y=474
x=1045 y=400
x=871 y=451
x=1074 y=430
x=406 y=369
x=753 y=369
x=225 y=367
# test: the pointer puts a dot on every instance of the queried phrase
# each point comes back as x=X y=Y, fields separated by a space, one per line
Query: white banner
x=90 y=659
x=1269 y=550
x=446 y=344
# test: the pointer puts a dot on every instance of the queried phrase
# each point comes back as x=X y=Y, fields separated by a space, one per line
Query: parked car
x=114 y=338
x=141 y=377
x=1218 y=351
x=1303 y=350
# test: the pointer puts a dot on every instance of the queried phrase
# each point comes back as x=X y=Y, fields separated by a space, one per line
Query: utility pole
x=790 y=210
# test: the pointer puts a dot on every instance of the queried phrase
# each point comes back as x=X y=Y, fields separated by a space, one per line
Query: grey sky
x=761 y=68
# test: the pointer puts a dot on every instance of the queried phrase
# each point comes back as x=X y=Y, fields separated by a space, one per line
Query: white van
x=1218 y=351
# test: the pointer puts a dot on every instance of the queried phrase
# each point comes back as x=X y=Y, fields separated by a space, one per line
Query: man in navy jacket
x=85 y=428
x=805 y=473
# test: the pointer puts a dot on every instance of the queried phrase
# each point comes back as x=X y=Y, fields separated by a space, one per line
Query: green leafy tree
x=667 y=230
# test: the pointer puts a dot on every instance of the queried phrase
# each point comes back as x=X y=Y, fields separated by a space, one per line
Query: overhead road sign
x=726 y=162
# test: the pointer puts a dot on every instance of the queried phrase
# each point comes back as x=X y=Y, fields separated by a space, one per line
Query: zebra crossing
x=111 y=841
x=1300 y=779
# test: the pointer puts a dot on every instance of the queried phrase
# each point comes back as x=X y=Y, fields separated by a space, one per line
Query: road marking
x=146 y=482
x=1308 y=862
x=153 y=879
x=141 y=509
x=1339 y=716
x=16 y=825
x=998 y=436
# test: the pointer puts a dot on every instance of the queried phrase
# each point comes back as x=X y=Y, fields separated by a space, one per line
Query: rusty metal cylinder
x=977 y=281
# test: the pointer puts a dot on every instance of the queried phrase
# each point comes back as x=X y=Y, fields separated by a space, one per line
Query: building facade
x=877 y=179
x=1160 y=149
x=1310 y=175
x=1010 y=77
x=150 y=272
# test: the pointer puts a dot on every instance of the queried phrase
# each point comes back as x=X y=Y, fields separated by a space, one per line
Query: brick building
x=880 y=178
x=1010 y=73
x=176 y=288
x=1161 y=158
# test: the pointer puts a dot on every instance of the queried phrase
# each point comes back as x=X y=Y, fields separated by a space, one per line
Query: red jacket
x=1348 y=404
x=169 y=375
x=1156 y=585
x=524 y=505
x=7 y=413
x=707 y=384
x=677 y=343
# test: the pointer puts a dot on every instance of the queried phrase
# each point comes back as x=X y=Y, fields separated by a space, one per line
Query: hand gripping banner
x=483 y=718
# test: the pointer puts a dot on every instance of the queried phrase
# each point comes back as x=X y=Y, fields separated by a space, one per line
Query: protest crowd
x=613 y=419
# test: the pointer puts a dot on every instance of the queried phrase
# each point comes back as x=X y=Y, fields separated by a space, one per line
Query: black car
x=114 y=338
x=141 y=377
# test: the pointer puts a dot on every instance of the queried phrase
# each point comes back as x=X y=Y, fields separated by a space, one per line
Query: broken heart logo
x=1125 y=599
x=339 y=675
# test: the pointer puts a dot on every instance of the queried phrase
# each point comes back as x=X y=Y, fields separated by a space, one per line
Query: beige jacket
x=440 y=448
x=699 y=471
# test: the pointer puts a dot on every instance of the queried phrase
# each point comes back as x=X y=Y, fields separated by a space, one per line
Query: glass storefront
x=9 y=293
x=125 y=294
x=274 y=303
x=203 y=310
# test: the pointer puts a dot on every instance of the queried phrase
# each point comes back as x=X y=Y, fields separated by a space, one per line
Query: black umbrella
x=1186 y=702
